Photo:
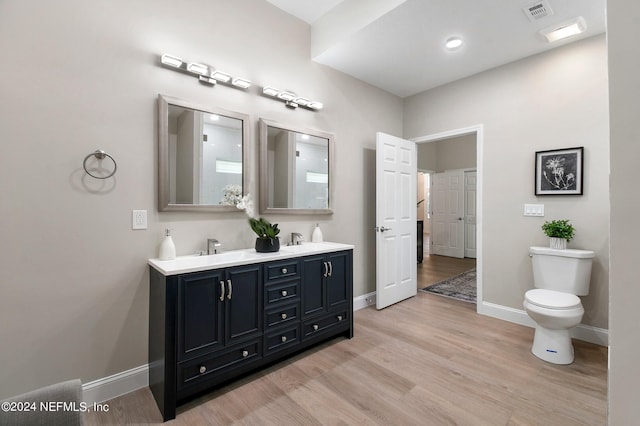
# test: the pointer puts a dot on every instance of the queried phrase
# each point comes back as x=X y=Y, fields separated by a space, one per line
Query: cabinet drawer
x=283 y=292
x=283 y=315
x=200 y=369
x=285 y=269
x=318 y=325
x=281 y=339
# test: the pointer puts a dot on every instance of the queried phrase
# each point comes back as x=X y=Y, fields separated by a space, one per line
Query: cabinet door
x=199 y=314
x=339 y=279
x=243 y=302
x=313 y=281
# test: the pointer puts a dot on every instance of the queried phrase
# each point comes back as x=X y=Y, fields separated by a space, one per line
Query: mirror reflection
x=201 y=157
x=296 y=169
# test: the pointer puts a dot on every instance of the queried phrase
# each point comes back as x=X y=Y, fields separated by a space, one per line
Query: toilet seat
x=551 y=299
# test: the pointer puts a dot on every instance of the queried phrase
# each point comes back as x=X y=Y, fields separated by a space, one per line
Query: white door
x=470 y=182
x=447 y=221
x=396 y=251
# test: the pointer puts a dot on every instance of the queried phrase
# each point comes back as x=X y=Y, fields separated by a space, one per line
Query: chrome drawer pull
x=284 y=270
x=326 y=269
x=284 y=293
x=315 y=327
x=202 y=369
x=283 y=316
x=339 y=317
x=222 y=291
x=284 y=339
x=230 y=289
x=330 y=268
x=245 y=354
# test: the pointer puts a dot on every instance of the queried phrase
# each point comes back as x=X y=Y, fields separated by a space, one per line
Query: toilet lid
x=552 y=299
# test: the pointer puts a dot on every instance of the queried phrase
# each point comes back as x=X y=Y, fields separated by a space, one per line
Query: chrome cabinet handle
x=283 y=338
x=245 y=354
x=283 y=270
x=230 y=289
x=202 y=369
x=326 y=269
x=284 y=293
x=330 y=268
x=315 y=327
x=283 y=316
x=222 y=291
x=339 y=317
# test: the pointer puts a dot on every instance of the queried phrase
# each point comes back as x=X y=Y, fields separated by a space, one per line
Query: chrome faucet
x=296 y=238
x=213 y=246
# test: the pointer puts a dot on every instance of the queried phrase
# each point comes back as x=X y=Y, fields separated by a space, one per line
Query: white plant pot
x=558 y=243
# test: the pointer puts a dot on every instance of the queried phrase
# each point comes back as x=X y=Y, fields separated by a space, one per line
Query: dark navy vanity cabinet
x=212 y=325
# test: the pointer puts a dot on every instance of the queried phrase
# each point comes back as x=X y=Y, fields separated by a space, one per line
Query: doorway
x=441 y=154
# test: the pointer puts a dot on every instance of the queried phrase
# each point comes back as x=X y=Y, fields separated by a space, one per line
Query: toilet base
x=553 y=346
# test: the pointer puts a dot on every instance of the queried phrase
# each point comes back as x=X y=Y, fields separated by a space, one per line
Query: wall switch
x=534 y=209
x=139 y=219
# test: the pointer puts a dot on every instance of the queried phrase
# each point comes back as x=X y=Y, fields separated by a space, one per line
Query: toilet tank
x=567 y=270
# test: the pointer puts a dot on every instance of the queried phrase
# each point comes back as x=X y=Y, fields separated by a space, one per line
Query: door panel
x=243 y=308
x=396 y=177
x=199 y=314
x=312 y=285
x=448 y=214
x=470 y=189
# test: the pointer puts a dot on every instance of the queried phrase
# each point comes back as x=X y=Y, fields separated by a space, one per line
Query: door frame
x=478 y=130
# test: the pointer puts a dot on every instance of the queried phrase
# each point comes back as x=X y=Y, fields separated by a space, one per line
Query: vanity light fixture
x=290 y=99
x=205 y=73
x=566 y=29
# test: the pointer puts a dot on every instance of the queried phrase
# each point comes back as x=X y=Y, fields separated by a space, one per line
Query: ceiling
x=398 y=45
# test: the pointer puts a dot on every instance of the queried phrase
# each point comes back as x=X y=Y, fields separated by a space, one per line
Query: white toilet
x=560 y=276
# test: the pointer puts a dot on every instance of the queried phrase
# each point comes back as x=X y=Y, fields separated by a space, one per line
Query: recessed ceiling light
x=453 y=43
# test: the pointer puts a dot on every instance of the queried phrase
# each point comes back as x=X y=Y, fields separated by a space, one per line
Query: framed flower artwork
x=559 y=171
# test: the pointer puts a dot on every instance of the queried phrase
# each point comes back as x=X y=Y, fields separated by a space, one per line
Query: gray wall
x=554 y=100
x=84 y=75
x=624 y=86
x=457 y=152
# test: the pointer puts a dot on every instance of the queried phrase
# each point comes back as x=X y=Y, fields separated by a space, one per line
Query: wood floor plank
x=428 y=360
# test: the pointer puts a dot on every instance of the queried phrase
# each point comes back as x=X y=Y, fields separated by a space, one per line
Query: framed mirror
x=295 y=169
x=202 y=156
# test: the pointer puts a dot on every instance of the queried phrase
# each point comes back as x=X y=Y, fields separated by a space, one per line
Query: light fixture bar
x=291 y=100
x=204 y=73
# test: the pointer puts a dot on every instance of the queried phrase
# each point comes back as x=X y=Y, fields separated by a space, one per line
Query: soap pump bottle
x=316 y=236
x=167 y=247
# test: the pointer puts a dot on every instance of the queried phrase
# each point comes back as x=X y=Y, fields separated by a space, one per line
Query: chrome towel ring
x=100 y=155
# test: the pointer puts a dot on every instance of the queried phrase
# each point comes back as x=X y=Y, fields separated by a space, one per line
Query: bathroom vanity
x=214 y=318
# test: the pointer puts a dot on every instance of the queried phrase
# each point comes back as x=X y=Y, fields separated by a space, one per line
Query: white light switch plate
x=534 y=210
x=139 y=219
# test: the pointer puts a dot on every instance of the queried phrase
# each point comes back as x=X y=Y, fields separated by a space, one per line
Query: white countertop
x=195 y=263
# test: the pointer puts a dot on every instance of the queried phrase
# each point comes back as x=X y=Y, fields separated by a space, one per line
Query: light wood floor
x=425 y=361
x=436 y=268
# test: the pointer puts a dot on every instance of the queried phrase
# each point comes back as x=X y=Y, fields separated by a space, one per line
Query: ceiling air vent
x=538 y=10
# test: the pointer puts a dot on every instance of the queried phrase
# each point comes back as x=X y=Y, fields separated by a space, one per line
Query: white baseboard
x=131 y=380
x=599 y=336
x=116 y=385
x=361 y=302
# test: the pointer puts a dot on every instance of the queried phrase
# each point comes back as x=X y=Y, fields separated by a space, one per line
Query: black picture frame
x=559 y=171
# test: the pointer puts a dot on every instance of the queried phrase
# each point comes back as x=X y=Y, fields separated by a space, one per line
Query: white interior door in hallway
x=396 y=181
x=447 y=220
x=470 y=190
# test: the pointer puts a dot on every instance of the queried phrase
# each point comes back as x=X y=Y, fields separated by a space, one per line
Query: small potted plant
x=560 y=232
x=267 y=233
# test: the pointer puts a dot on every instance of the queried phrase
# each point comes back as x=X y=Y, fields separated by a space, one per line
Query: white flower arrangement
x=232 y=195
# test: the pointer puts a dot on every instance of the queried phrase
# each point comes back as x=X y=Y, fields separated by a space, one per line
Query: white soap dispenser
x=167 y=247
x=316 y=236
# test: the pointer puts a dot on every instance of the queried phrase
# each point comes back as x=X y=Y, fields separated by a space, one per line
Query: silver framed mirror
x=295 y=169
x=202 y=156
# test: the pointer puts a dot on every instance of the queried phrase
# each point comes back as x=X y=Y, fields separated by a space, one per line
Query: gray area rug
x=461 y=287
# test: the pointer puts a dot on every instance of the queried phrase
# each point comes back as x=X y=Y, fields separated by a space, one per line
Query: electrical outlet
x=139 y=219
